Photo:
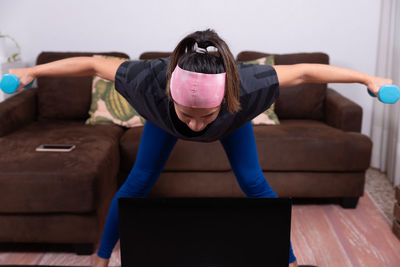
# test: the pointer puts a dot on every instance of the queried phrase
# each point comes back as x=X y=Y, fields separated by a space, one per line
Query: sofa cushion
x=33 y=181
x=110 y=107
x=308 y=145
x=304 y=101
x=295 y=145
x=65 y=97
x=268 y=117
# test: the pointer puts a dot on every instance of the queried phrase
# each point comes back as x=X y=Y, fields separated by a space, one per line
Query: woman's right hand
x=100 y=262
x=25 y=76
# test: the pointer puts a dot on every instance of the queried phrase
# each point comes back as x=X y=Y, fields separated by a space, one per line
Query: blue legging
x=154 y=149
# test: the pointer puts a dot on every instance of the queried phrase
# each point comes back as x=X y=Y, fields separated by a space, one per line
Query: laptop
x=204 y=232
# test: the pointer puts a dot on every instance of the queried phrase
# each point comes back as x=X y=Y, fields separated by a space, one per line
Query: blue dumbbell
x=10 y=83
x=388 y=94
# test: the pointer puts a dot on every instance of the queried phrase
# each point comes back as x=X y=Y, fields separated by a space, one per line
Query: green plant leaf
x=13 y=57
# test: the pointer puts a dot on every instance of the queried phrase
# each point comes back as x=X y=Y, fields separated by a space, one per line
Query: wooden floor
x=323 y=235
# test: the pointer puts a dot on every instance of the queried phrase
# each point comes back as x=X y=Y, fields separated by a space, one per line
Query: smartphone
x=55 y=148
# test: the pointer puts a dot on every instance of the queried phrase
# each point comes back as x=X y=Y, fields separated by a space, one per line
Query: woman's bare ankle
x=100 y=262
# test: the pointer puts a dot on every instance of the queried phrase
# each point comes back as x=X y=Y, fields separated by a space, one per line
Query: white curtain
x=385 y=131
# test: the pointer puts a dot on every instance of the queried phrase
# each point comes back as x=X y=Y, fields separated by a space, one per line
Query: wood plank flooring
x=323 y=235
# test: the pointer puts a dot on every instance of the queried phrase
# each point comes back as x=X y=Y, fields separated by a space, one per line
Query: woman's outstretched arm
x=290 y=75
x=70 y=67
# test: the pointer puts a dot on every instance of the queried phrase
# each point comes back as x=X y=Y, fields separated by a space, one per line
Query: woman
x=198 y=96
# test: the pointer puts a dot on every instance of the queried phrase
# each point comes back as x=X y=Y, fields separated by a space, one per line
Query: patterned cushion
x=110 y=107
x=269 y=116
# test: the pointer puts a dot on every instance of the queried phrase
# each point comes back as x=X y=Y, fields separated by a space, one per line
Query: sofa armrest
x=17 y=111
x=342 y=113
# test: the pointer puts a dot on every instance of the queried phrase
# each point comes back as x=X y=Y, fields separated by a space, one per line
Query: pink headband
x=197 y=90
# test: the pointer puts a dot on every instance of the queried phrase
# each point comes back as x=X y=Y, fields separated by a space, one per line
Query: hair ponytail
x=185 y=54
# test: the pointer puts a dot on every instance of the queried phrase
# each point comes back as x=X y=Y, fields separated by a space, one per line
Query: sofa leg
x=84 y=249
x=349 y=202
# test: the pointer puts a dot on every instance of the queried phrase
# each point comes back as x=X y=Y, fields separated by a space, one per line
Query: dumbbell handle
x=10 y=83
x=388 y=94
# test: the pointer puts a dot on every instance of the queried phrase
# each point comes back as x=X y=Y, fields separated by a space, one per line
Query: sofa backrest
x=65 y=98
x=305 y=101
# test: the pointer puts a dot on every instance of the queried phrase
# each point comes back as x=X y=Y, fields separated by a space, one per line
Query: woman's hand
x=100 y=262
x=24 y=75
x=375 y=83
x=293 y=264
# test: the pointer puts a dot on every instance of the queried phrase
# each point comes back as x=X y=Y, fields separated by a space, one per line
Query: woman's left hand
x=293 y=264
x=374 y=83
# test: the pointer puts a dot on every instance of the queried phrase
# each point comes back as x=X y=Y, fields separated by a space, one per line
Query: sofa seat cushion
x=295 y=145
x=33 y=181
x=309 y=145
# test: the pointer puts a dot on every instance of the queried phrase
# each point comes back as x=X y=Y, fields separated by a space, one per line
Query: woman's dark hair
x=187 y=58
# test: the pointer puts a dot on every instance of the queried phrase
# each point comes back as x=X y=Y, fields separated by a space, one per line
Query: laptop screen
x=206 y=232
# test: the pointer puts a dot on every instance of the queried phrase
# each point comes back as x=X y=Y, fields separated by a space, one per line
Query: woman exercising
x=197 y=96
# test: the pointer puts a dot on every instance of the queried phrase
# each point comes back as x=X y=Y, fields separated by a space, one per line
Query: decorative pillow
x=269 y=116
x=110 y=107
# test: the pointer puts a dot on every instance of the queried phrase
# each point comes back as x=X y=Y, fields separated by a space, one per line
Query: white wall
x=346 y=30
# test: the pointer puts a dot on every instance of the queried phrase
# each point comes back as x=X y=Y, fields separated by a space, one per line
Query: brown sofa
x=55 y=197
x=316 y=152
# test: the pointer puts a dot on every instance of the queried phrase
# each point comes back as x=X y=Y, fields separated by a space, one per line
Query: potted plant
x=14 y=57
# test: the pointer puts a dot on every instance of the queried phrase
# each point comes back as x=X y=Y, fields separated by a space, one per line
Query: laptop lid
x=204 y=232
